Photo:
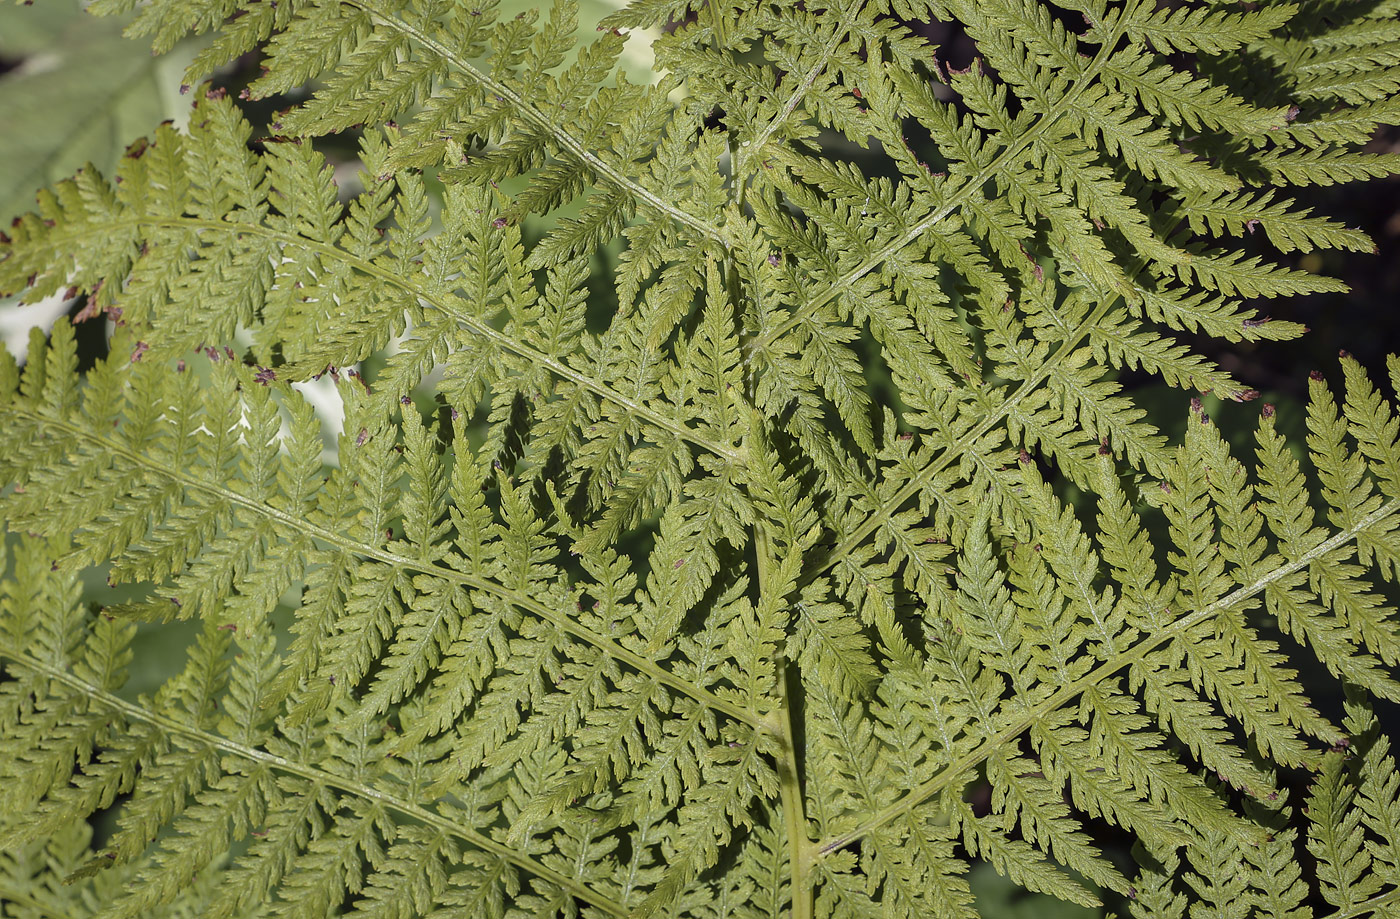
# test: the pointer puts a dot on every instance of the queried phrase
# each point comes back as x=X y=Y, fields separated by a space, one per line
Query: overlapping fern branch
x=722 y=603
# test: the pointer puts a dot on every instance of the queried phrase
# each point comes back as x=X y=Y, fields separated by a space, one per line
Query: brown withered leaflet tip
x=88 y=311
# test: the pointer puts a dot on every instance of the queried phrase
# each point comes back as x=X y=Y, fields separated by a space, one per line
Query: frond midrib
x=477 y=326
x=973 y=185
x=528 y=604
x=561 y=134
x=968 y=763
x=477 y=840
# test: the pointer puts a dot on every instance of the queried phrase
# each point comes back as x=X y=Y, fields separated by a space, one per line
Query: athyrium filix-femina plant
x=723 y=523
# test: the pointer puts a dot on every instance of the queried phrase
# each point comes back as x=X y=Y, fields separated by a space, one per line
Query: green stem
x=718 y=25
x=802 y=851
x=1378 y=905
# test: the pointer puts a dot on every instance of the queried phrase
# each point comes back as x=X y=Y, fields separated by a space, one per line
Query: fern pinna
x=728 y=600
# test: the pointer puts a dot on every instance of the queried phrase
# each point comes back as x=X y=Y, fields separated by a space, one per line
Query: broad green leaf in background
x=77 y=92
x=73 y=92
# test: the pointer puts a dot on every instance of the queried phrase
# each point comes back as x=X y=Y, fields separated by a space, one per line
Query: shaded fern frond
x=785 y=563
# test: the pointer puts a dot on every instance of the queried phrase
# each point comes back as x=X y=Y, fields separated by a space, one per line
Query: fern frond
x=709 y=528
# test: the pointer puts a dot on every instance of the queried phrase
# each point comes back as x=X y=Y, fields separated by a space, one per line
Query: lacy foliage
x=723 y=601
